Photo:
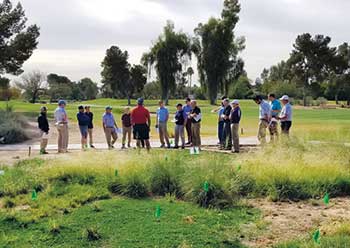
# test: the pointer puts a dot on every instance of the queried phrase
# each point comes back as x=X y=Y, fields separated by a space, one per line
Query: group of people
x=270 y=113
x=136 y=121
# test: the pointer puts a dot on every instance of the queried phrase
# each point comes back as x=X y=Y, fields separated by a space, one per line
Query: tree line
x=314 y=68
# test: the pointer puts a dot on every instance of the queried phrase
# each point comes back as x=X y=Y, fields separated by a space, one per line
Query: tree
x=152 y=90
x=33 y=84
x=216 y=49
x=242 y=89
x=138 y=79
x=189 y=73
x=17 y=42
x=116 y=72
x=311 y=60
x=88 y=89
x=60 y=87
x=166 y=55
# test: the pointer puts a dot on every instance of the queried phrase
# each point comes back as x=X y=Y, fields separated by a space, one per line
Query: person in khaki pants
x=235 y=118
x=162 y=123
x=264 y=118
x=43 y=125
x=109 y=127
x=61 y=119
x=126 y=122
x=196 y=118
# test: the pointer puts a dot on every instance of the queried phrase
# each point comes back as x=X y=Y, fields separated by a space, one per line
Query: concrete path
x=245 y=141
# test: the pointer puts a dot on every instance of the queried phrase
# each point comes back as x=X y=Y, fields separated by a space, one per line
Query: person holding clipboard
x=196 y=118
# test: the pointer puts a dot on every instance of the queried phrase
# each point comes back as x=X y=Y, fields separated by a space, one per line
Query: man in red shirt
x=141 y=121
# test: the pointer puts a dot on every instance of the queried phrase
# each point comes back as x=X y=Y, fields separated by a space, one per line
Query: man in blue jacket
x=83 y=121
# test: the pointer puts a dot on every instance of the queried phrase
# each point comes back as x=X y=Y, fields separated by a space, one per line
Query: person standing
x=226 y=143
x=220 y=112
x=286 y=115
x=264 y=118
x=141 y=122
x=43 y=125
x=110 y=127
x=275 y=111
x=126 y=122
x=162 y=123
x=61 y=119
x=90 y=126
x=196 y=118
x=180 y=123
x=187 y=109
x=235 y=119
x=83 y=122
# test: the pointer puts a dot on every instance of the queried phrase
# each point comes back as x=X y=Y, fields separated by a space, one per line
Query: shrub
x=164 y=181
x=134 y=186
x=12 y=128
x=242 y=185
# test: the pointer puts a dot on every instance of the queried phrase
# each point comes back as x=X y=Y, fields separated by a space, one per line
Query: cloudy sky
x=76 y=33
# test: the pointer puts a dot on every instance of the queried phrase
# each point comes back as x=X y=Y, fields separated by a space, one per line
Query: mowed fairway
x=309 y=123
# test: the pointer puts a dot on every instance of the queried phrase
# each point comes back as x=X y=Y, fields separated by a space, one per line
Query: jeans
x=220 y=131
x=227 y=136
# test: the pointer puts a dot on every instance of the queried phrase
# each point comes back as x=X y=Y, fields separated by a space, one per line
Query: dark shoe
x=176 y=147
x=235 y=151
x=162 y=146
x=188 y=143
x=92 y=146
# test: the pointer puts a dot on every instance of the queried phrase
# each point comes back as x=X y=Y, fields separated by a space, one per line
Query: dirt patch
x=283 y=221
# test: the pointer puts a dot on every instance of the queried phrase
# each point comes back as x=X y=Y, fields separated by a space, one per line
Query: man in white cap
x=235 y=119
x=286 y=115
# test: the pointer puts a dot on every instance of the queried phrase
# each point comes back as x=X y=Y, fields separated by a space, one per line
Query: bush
x=134 y=186
x=12 y=128
x=164 y=180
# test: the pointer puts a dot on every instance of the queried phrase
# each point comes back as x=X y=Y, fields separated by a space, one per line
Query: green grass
x=312 y=124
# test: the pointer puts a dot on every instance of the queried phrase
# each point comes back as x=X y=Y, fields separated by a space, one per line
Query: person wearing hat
x=275 y=111
x=235 y=119
x=264 y=118
x=109 y=127
x=90 y=126
x=61 y=119
x=83 y=122
x=141 y=122
x=126 y=122
x=286 y=115
x=43 y=125
x=180 y=123
x=226 y=143
x=162 y=124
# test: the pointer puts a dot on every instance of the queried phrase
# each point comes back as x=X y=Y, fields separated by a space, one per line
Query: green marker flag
x=157 y=213
x=34 y=195
x=317 y=236
x=239 y=167
x=206 y=187
x=326 y=199
x=116 y=172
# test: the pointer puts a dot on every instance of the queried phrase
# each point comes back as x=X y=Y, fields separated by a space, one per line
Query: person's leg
x=124 y=136
x=114 y=136
x=177 y=134
x=189 y=131
x=166 y=134
x=262 y=132
x=129 y=136
x=220 y=131
x=91 y=142
x=148 y=145
x=182 y=135
x=196 y=134
x=161 y=134
x=59 y=139
x=228 y=136
x=66 y=138
x=235 y=137
x=108 y=137
x=223 y=137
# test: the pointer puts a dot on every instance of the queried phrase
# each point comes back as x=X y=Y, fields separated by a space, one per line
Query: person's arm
x=167 y=116
x=103 y=123
x=216 y=110
x=149 y=120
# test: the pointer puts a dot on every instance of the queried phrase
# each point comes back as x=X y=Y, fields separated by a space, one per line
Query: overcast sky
x=76 y=33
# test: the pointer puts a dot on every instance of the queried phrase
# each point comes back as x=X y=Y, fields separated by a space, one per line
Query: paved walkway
x=245 y=141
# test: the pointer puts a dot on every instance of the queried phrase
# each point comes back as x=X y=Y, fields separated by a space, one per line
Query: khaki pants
x=179 y=133
x=91 y=140
x=262 y=131
x=196 y=134
x=235 y=136
x=43 y=142
x=63 y=137
x=110 y=133
x=163 y=133
x=126 y=131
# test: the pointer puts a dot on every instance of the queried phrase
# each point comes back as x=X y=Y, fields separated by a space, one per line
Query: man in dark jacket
x=43 y=125
x=90 y=126
x=83 y=121
x=226 y=143
x=235 y=119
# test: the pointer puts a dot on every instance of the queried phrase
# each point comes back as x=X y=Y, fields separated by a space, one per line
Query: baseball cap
x=140 y=101
x=108 y=108
x=61 y=102
x=284 y=98
x=235 y=102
